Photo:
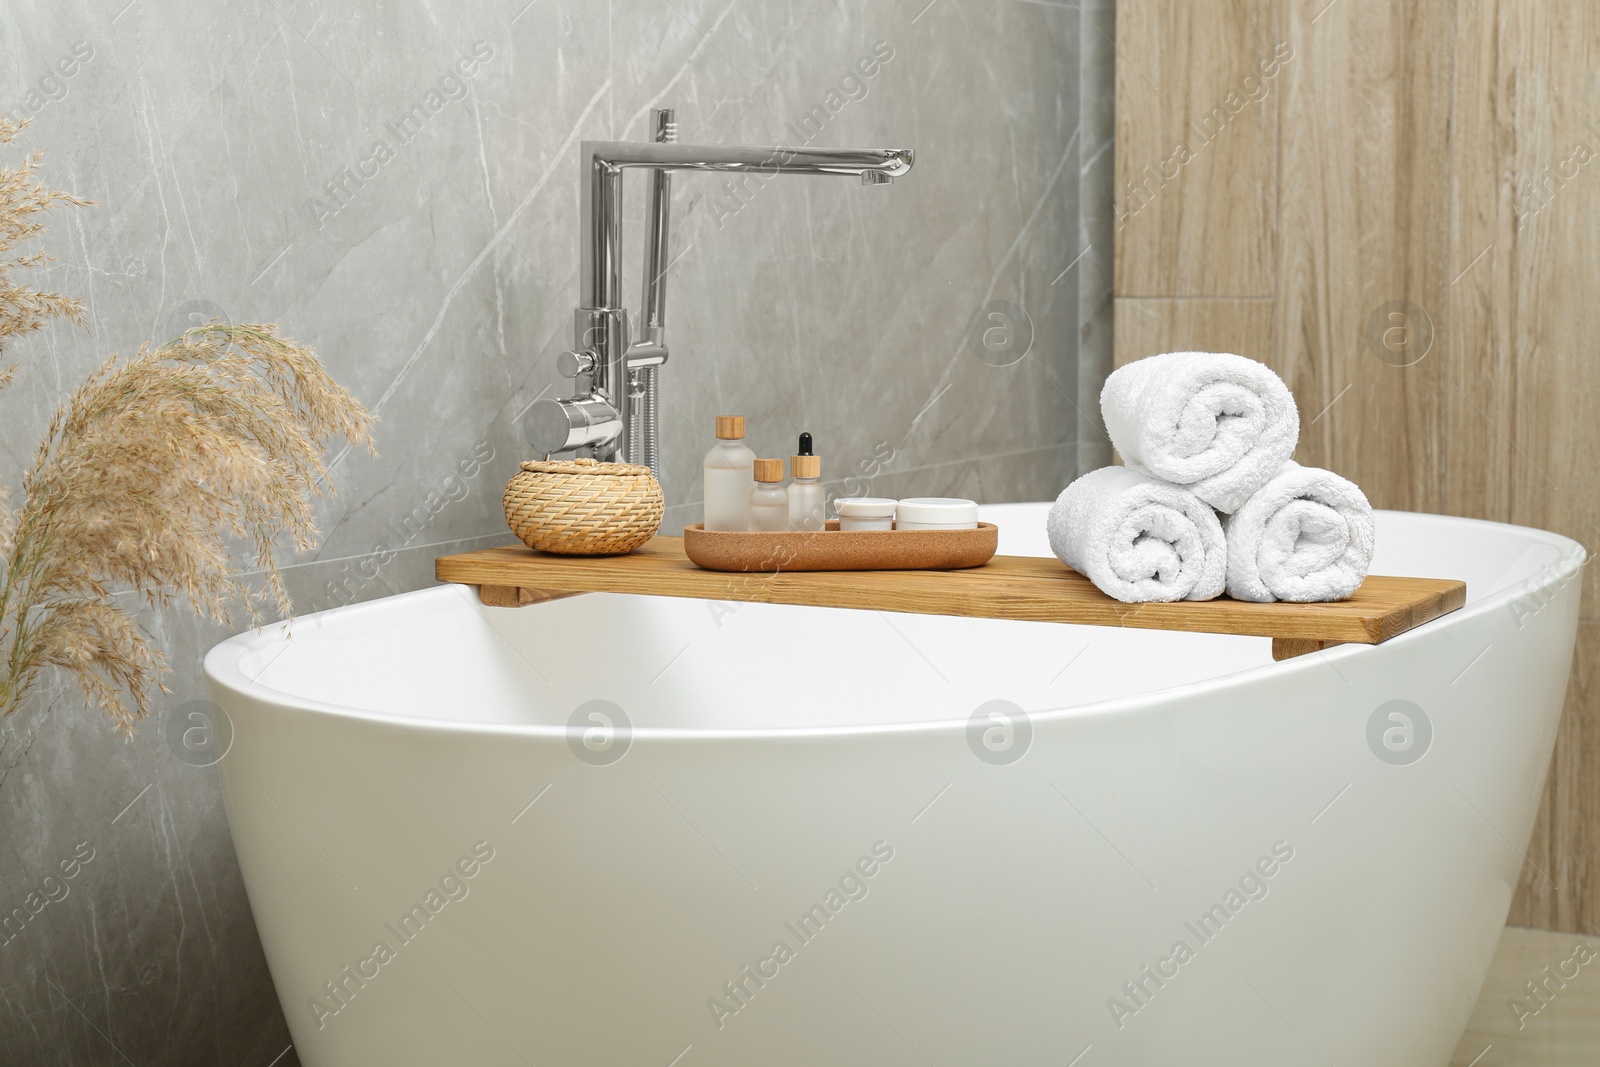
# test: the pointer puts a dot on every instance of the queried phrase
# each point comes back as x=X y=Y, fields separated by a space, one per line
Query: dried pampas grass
x=151 y=471
x=22 y=200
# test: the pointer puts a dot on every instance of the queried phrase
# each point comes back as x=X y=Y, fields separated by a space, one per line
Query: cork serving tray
x=840 y=550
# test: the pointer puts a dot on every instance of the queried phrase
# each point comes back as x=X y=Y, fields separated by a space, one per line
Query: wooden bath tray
x=1028 y=588
x=841 y=550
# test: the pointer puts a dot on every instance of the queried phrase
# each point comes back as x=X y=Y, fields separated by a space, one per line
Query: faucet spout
x=599 y=417
x=605 y=161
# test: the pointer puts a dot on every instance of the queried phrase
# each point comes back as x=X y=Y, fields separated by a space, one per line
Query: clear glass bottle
x=728 y=477
x=807 y=510
x=769 y=504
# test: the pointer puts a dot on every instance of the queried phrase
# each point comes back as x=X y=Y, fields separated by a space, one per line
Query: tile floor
x=1566 y=1030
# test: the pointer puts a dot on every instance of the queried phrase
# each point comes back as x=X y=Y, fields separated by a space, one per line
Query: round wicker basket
x=583 y=507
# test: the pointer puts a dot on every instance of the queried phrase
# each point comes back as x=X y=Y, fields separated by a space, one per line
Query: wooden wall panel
x=1196 y=128
x=1525 y=378
x=1567 y=836
x=1363 y=231
x=1524 y=375
x=1144 y=327
x=1432 y=236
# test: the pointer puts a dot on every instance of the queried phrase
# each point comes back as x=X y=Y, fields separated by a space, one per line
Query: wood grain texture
x=1560 y=886
x=1442 y=156
x=1290 y=647
x=1566 y=1030
x=1195 y=114
x=1362 y=227
x=1525 y=386
x=1146 y=327
x=1027 y=588
x=511 y=596
x=1524 y=381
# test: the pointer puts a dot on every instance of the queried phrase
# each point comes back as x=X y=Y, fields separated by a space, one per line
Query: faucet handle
x=552 y=426
x=572 y=364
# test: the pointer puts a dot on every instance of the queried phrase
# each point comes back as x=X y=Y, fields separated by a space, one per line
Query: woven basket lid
x=585 y=466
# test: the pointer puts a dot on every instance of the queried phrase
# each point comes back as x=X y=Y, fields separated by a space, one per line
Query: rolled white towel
x=1307 y=535
x=1217 y=424
x=1139 y=539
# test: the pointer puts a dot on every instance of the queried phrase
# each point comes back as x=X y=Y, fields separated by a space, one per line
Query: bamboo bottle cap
x=805 y=466
x=769 y=470
x=730 y=427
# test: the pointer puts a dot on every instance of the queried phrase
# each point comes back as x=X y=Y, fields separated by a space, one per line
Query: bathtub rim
x=221 y=666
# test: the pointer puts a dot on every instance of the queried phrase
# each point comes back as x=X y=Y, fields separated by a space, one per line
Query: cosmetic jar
x=865 y=513
x=936 y=513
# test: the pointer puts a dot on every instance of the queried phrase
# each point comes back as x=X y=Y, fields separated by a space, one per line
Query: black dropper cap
x=804 y=463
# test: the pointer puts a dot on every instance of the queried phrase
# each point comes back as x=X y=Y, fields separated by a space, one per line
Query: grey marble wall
x=396 y=183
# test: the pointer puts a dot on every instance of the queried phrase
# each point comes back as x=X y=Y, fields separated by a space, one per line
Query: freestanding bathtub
x=629 y=830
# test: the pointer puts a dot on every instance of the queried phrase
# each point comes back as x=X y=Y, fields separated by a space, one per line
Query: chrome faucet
x=612 y=412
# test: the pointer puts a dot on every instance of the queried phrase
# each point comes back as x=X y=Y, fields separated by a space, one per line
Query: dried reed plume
x=22 y=200
x=149 y=471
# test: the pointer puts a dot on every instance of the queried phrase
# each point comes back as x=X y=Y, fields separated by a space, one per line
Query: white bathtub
x=629 y=911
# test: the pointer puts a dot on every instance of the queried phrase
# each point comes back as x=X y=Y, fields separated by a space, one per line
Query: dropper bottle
x=806 y=507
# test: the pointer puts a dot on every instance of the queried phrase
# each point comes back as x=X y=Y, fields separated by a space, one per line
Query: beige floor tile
x=1510 y=1028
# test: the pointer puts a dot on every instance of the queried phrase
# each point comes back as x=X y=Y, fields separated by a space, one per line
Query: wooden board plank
x=1026 y=588
x=512 y=596
x=1290 y=647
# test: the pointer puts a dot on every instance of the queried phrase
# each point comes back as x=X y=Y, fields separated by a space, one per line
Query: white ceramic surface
x=383 y=743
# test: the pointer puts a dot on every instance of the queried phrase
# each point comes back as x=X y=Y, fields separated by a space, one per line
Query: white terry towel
x=1217 y=424
x=1139 y=539
x=1304 y=536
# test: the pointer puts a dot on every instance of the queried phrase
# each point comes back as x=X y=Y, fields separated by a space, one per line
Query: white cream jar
x=936 y=513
